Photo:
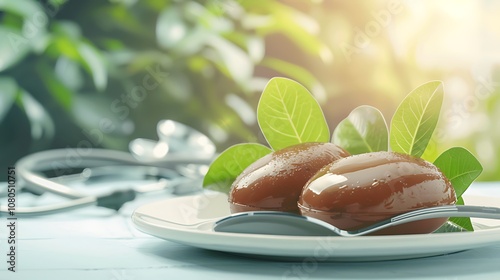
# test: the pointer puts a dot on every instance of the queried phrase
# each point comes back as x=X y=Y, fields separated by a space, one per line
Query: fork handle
x=429 y=213
x=448 y=211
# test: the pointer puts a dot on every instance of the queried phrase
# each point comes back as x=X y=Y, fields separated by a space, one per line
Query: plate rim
x=362 y=248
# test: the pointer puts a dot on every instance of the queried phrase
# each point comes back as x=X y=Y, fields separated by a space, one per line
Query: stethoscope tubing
x=29 y=167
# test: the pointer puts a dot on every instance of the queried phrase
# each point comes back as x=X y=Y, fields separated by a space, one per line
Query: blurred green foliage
x=100 y=73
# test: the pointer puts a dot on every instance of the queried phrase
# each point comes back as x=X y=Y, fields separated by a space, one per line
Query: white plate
x=177 y=220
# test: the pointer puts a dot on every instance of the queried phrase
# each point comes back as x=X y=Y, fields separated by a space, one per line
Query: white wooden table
x=98 y=243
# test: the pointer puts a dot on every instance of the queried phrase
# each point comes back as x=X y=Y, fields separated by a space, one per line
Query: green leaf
x=93 y=62
x=25 y=8
x=69 y=73
x=234 y=60
x=256 y=48
x=67 y=29
x=363 y=131
x=13 y=47
x=450 y=227
x=415 y=119
x=460 y=167
x=68 y=43
x=61 y=45
x=61 y=93
x=230 y=163
x=8 y=92
x=34 y=26
x=432 y=151
x=463 y=222
x=288 y=115
x=170 y=28
x=42 y=126
x=299 y=27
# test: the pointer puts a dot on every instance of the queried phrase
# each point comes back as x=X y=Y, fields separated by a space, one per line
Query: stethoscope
x=177 y=162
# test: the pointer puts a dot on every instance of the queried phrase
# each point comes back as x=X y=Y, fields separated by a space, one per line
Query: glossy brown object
x=275 y=181
x=358 y=191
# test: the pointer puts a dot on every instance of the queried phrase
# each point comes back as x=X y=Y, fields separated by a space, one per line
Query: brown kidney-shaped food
x=275 y=181
x=358 y=191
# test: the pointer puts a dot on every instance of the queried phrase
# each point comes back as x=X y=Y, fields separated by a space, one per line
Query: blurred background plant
x=99 y=73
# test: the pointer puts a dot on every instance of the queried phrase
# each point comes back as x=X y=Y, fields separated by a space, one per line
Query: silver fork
x=283 y=223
